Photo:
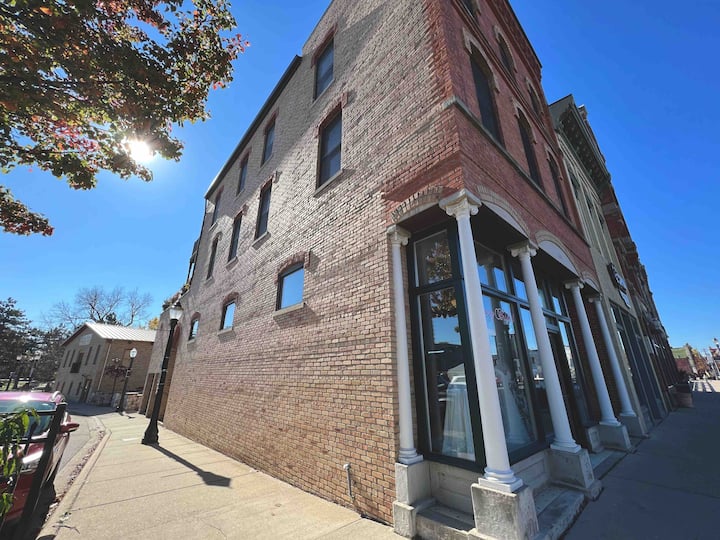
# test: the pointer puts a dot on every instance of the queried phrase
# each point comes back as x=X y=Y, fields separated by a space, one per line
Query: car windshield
x=42 y=423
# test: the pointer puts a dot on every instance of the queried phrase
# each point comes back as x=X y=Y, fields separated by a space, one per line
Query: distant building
x=93 y=348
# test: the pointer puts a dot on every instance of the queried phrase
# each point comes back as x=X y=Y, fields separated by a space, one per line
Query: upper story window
x=193 y=328
x=485 y=99
x=264 y=211
x=324 y=68
x=211 y=262
x=505 y=56
x=330 y=148
x=235 y=239
x=469 y=6
x=269 y=140
x=558 y=187
x=216 y=210
x=529 y=150
x=243 y=175
x=228 y=314
x=535 y=101
x=290 y=286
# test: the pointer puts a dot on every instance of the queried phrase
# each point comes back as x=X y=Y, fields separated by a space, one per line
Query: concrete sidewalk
x=183 y=490
x=670 y=487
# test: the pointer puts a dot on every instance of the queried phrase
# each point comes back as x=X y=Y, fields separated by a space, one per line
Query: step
x=439 y=522
x=604 y=461
x=557 y=507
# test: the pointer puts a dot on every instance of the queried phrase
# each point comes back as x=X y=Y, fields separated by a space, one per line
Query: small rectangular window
x=324 y=69
x=330 y=149
x=193 y=329
x=264 y=212
x=243 y=175
x=269 y=140
x=484 y=94
x=235 y=239
x=290 y=287
x=211 y=262
x=529 y=151
x=97 y=351
x=228 y=314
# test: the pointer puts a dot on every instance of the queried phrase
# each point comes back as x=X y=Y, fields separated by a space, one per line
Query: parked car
x=40 y=401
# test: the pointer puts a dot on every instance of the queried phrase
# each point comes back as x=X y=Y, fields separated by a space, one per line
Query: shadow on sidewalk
x=210 y=479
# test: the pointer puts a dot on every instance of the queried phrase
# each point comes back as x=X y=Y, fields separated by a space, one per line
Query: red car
x=40 y=401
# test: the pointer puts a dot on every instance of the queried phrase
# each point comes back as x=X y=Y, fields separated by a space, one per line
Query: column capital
x=461 y=203
x=521 y=248
x=398 y=235
x=595 y=299
x=574 y=284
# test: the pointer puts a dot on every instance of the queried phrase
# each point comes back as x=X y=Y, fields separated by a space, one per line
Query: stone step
x=439 y=522
x=556 y=508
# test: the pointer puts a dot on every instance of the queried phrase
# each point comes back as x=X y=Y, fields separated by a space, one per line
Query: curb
x=51 y=526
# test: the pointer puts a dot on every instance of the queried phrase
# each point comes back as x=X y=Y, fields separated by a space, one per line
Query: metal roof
x=111 y=331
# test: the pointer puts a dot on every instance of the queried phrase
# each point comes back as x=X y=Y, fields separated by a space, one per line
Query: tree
x=81 y=80
x=154 y=323
x=49 y=352
x=117 y=306
x=15 y=336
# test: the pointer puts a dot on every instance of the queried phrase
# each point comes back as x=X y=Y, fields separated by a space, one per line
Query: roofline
x=79 y=329
x=279 y=87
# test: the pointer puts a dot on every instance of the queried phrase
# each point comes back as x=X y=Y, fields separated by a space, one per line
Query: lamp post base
x=151 y=435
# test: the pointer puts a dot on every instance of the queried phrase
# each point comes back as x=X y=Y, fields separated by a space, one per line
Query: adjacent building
x=392 y=301
x=92 y=369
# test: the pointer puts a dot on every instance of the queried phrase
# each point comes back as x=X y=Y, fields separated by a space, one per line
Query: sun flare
x=140 y=151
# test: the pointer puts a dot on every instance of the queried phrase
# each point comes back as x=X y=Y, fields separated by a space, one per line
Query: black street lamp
x=121 y=404
x=151 y=433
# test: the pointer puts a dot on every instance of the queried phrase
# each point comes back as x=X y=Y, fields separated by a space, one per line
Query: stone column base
x=593 y=437
x=615 y=437
x=635 y=425
x=503 y=515
x=412 y=488
x=574 y=469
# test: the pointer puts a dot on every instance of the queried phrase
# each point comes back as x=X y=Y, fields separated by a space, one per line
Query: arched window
x=505 y=56
x=213 y=253
x=484 y=93
x=525 y=135
x=558 y=187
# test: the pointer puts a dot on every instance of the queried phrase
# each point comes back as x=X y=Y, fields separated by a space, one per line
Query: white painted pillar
x=408 y=454
x=625 y=404
x=558 y=413
x=606 y=412
x=461 y=206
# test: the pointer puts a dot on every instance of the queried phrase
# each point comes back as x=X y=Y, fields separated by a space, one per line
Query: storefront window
x=446 y=386
x=510 y=375
x=433 y=259
x=575 y=375
x=490 y=268
x=537 y=371
x=518 y=281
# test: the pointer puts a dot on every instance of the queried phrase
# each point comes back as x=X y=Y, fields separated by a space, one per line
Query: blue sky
x=646 y=71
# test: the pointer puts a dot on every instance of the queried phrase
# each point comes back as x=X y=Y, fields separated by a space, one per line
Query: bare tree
x=116 y=306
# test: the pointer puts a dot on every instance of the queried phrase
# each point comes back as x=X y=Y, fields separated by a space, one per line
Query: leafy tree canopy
x=80 y=79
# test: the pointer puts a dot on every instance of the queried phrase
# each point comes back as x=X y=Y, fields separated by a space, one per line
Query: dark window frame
x=263 y=218
x=324 y=153
x=529 y=150
x=216 y=209
x=555 y=173
x=213 y=255
x=194 y=327
x=235 y=237
x=484 y=94
x=269 y=141
x=281 y=282
x=242 y=176
x=325 y=78
x=506 y=57
x=226 y=305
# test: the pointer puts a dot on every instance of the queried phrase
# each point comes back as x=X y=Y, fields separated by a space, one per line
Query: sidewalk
x=183 y=490
x=669 y=488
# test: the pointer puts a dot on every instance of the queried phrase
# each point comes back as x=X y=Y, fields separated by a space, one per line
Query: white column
x=408 y=454
x=625 y=404
x=498 y=472
x=606 y=412
x=558 y=413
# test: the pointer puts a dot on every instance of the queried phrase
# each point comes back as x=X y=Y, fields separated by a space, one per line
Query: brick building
x=390 y=293
x=83 y=372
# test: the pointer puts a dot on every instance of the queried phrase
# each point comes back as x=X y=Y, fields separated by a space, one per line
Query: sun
x=140 y=151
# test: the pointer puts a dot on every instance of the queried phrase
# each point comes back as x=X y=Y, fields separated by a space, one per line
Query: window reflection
x=446 y=389
x=433 y=259
x=510 y=375
x=490 y=268
x=575 y=375
x=537 y=371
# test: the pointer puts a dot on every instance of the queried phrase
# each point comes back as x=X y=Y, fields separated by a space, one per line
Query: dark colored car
x=40 y=401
